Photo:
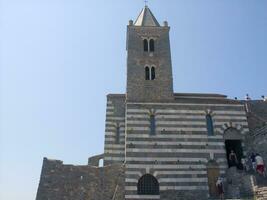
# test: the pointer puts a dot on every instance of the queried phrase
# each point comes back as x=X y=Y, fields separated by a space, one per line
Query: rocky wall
x=69 y=182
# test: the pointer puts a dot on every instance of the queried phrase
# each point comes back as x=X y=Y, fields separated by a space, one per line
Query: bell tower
x=149 y=68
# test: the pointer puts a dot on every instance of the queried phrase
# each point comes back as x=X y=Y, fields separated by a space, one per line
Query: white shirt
x=219 y=181
x=259 y=160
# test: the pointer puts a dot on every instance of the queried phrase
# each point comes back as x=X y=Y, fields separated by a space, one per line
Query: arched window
x=209 y=125
x=145 y=45
x=147 y=73
x=148 y=185
x=153 y=73
x=117 y=134
x=151 y=45
x=152 y=125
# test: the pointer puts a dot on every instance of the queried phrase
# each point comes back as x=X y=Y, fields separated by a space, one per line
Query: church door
x=213 y=174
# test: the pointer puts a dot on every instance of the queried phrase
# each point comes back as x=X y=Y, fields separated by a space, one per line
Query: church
x=160 y=144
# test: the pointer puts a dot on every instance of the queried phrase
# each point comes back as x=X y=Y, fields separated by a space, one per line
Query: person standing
x=219 y=185
x=253 y=161
x=260 y=165
x=244 y=164
x=232 y=159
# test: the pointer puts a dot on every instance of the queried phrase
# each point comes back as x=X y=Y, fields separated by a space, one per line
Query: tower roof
x=146 y=18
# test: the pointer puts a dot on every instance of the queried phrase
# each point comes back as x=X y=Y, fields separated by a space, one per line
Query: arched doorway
x=233 y=142
x=213 y=172
x=148 y=185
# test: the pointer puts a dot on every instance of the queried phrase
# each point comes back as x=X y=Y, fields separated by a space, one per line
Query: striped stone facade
x=177 y=155
x=158 y=144
x=180 y=150
x=115 y=122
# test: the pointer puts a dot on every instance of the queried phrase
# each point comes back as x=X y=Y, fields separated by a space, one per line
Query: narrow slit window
x=147 y=73
x=152 y=125
x=117 y=135
x=145 y=45
x=151 y=45
x=153 y=73
x=209 y=125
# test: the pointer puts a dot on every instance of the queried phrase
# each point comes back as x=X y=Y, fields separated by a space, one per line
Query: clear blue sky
x=59 y=59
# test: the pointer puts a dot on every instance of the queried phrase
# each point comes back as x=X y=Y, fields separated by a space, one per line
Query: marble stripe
x=163 y=122
x=116 y=118
x=133 y=173
x=161 y=128
x=186 y=104
x=183 y=188
x=187 y=136
x=114 y=158
x=114 y=134
x=109 y=149
x=200 y=113
x=114 y=146
x=157 y=173
x=114 y=123
x=177 y=143
x=180 y=123
x=169 y=159
x=175 y=150
x=226 y=117
x=162 y=188
x=113 y=128
x=171 y=180
x=152 y=197
x=193 y=166
x=183 y=180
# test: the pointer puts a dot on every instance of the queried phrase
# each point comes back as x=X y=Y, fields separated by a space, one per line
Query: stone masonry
x=160 y=144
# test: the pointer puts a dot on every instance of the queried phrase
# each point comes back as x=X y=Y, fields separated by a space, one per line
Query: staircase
x=261 y=193
x=260 y=132
x=245 y=185
x=260 y=188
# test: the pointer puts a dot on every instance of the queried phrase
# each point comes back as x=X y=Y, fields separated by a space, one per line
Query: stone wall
x=94 y=160
x=178 y=153
x=138 y=88
x=69 y=182
x=115 y=122
x=258 y=144
x=257 y=121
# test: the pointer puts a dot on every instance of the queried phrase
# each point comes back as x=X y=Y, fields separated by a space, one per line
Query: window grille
x=148 y=185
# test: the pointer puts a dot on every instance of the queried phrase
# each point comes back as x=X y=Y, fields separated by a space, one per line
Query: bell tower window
x=145 y=45
x=150 y=73
x=147 y=71
x=153 y=73
x=151 y=45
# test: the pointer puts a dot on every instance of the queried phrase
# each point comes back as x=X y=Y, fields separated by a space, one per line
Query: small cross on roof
x=146 y=1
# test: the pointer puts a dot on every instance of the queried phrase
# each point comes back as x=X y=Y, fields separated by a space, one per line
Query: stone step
x=261 y=193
